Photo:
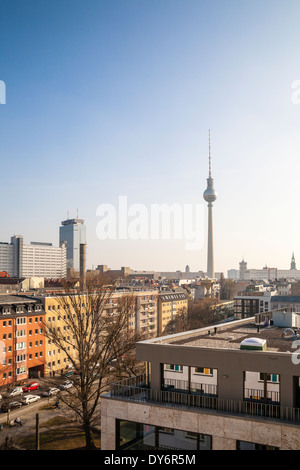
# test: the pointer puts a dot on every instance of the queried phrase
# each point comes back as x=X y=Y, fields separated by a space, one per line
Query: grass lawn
x=57 y=437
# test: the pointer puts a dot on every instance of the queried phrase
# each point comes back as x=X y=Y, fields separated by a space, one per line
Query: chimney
x=82 y=266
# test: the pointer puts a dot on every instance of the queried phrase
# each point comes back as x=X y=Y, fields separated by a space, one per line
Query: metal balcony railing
x=256 y=395
x=184 y=386
x=137 y=389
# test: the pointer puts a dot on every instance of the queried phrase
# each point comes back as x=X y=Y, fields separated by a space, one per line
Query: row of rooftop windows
x=20 y=309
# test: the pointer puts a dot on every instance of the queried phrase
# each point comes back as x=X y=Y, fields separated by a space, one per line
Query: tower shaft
x=210 y=244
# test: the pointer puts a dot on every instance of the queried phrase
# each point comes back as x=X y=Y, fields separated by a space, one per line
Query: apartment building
x=169 y=305
x=7 y=258
x=44 y=260
x=291 y=302
x=37 y=259
x=231 y=386
x=57 y=359
x=143 y=320
x=256 y=298
x=22 y=341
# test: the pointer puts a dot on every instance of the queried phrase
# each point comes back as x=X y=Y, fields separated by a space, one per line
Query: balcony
x=182 y=386
x=137 y=389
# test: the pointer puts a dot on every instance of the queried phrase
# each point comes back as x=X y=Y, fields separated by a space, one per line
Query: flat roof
x=229 y=336
x=8 y=299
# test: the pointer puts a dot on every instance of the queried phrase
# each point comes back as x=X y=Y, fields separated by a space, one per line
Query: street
x=27 y=413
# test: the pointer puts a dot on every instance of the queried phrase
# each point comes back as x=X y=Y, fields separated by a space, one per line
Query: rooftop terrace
x=230 y=335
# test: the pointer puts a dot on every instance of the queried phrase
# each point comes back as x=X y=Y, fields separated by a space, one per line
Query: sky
x=110 y=99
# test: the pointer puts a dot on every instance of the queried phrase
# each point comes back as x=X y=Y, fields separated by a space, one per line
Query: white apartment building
x=7 y=258
x=44 y=260
x=37 y=259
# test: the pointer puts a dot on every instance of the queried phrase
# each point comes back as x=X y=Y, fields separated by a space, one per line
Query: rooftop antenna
x=209 y=174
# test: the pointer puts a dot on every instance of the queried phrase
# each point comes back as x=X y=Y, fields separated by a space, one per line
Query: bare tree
x=199 y=313
x=100 y=335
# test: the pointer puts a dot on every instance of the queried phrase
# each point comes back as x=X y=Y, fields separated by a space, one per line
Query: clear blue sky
x=115 y=97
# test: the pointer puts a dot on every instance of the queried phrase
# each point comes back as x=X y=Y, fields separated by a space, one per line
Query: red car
x=31 y=386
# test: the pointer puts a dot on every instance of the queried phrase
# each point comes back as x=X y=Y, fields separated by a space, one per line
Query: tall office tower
x=243 y=267
x=18 y=243
x=73 y=233
x=210 y=196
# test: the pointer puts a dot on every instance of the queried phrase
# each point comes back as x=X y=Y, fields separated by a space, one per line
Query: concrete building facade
x=38 y=259
x=253 y=401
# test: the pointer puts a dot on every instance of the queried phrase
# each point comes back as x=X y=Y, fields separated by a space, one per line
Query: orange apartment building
x=22 y=340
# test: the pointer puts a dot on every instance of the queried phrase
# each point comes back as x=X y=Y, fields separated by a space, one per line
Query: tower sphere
x=210 y=194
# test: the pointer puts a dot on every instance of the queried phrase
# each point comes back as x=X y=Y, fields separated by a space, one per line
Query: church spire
x=293 y=262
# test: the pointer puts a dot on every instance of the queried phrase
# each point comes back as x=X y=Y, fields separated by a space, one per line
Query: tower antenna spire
x=209 y=148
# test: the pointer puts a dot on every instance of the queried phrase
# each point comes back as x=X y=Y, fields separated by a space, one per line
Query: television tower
x=210 y=196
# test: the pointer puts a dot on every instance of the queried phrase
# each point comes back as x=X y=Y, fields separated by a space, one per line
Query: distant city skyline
x=105 y=99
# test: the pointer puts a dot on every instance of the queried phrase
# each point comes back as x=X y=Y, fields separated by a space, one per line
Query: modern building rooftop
x=230 y=335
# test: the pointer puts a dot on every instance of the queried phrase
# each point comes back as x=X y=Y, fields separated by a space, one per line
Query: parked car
x=10 y=406
x=16 y=391
x=30 y=399
x=67 y=384
x=50 y=392
x=71 y=372
x=32 y=386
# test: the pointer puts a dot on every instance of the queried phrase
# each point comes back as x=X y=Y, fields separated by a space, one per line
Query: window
x=174 y=367
x=138 y=436
x=21 y=358
x=242 y=445
x=203 y=371
x=21 y=333
x=274 y=378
